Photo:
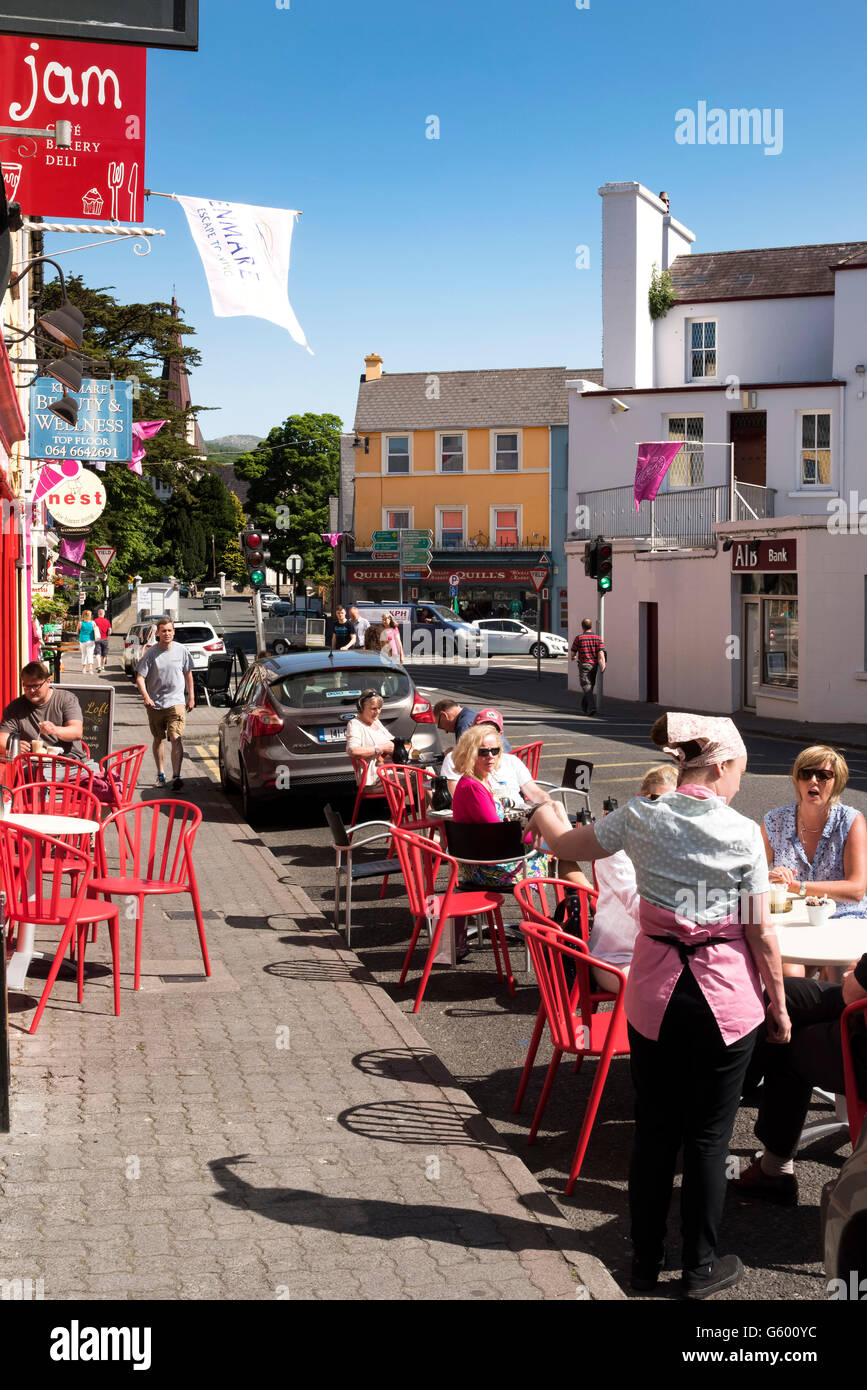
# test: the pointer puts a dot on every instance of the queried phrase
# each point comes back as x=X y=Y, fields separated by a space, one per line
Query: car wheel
x=280 y=648
x=250 y=807
x=539 y=649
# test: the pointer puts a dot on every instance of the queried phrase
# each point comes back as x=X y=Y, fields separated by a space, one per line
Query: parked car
x=200 y=639
x=132 y=649
x=286 y=729
x=268 y=598
x=212 y=598
x=510 y=636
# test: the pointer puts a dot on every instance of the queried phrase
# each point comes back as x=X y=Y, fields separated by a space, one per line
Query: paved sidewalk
x=278 y=1131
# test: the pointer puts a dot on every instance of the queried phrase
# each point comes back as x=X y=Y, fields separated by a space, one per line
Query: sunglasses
x=489 y=752
x=820 y=773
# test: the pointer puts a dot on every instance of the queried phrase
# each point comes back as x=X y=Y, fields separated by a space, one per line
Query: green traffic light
x=604 y=584
x=257 y=577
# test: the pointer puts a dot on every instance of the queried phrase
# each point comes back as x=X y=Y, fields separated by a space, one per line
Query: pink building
x=744 y=585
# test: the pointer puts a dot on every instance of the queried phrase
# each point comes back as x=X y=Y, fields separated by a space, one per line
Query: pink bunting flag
x=73 y=552
x=142 y=430
x=332 y=537
x=653 y=463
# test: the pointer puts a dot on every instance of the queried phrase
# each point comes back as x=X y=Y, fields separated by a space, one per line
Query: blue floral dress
x=782 y=831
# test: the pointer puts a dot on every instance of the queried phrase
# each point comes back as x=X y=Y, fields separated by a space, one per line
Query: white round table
x=19 y=963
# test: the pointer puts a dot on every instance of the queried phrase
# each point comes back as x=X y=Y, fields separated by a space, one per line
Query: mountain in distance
x=230 y=446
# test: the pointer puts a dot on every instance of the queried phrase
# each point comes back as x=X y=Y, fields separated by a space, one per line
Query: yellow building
x=467 y=455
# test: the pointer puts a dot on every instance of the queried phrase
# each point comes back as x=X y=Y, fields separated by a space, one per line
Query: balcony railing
x=681 y=520
x=480 y=542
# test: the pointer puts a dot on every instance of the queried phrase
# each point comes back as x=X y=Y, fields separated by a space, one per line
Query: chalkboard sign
x=97 y=708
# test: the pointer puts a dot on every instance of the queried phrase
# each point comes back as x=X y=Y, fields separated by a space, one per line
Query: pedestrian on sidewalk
x=164 y=677
x=87 y=635
x=360 y=624
x=591 y=656
x=103 y=627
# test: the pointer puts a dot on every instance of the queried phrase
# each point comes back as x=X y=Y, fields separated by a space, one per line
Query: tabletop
x=835 y=943
x=52 y=825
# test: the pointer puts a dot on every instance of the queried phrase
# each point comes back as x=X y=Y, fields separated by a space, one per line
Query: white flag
x=245 y=252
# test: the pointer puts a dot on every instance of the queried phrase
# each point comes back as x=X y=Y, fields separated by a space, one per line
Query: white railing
x=677 y=520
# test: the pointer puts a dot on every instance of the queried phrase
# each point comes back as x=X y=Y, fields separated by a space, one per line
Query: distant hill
x=229 y=446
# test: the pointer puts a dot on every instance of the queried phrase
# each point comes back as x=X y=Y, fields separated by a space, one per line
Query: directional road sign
x=380 y=537
x=418 y=572
x=539 y=578
x=392 y=555
x=416 y=535
x=104 y=554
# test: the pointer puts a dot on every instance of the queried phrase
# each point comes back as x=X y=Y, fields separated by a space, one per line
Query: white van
x=431 y=620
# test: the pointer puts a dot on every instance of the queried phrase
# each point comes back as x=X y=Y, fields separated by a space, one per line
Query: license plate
x=334 y=733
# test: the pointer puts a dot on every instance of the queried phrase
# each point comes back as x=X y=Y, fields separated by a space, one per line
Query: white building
x=759 y=366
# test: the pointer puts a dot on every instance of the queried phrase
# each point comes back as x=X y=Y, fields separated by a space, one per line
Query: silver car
x=509 y=636
x=286 y=728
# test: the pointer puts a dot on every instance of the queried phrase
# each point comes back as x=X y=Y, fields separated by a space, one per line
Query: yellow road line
x=206 y=754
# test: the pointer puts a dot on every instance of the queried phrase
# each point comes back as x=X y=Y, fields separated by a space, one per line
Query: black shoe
x=177 y=784
x=645 y=1274
x=724 y=1273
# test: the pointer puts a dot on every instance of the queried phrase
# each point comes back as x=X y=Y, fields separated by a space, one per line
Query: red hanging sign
x=100 y=88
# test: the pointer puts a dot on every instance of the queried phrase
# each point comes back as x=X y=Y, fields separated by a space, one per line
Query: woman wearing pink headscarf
x=693 y=1000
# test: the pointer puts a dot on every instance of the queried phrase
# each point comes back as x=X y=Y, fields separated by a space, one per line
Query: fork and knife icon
x=115 y=181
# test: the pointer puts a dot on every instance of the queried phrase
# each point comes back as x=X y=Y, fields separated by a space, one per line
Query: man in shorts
x=103 y=627
x=164 y=677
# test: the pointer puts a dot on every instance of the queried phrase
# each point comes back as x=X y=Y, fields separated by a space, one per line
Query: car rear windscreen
x=194 y=634
x=317 y=689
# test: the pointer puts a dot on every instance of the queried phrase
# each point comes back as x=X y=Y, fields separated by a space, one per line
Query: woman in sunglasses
x=818 y=845
x=478 y=799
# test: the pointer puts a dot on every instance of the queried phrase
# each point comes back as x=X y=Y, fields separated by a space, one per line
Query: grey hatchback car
x=286 y=728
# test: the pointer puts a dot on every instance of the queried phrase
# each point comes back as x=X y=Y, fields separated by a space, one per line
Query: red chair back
x=539 y=898
x=122 y=770
x=154 y=841
x=55 y=799
x=530 y=753
x=27 y=861
x=420 y=861
x=40 y=767
x=404 y=788
x=856 y=1108
x=570 y=1011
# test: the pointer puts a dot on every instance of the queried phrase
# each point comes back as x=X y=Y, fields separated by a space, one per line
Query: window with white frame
x=396 y=520
x=451 y=449
x=507 y=455
x=702 y=348
x=452 y=527
x=397 y=453
x=687 y=467
x=815 y=468
x=505 y=527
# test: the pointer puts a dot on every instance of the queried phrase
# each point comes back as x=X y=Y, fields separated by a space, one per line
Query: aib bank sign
x=100 y=89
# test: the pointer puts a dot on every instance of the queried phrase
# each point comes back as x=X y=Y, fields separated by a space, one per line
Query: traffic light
x=604 y=566
x=252 y=541
x=591 y=559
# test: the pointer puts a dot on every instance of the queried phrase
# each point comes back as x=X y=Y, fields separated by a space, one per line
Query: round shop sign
x=79 y=502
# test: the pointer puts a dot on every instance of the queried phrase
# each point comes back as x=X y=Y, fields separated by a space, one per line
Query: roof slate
x=777 y=270
x=521 y=396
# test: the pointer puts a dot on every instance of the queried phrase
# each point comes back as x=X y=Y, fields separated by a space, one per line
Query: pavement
x=280 y=1130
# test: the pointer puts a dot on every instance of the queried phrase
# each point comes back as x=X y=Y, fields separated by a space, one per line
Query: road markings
x=208 y=755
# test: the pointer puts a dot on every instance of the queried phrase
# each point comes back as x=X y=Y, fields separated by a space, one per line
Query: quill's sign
x=100 y=88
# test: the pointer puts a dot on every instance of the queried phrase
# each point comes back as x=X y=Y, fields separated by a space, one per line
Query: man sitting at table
x=813 y=1057
x=452 y=718
x=43 y=712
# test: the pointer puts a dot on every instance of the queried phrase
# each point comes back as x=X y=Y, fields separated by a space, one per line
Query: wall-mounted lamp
x=727 y=543
x=358 y=441
x=65 y=325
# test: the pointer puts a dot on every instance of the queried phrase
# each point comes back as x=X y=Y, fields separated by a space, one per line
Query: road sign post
x=539 y=577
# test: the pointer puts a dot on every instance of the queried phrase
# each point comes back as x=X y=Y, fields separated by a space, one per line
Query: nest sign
x=78 y=503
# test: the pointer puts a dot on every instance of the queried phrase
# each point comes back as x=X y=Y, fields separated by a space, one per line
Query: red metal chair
x=27 y=860
x=42 y=767
x=856 y=1108
x=421 y=860
x=121 y=770
x=534 y=897
x=530 y=753
x=576 y=1026
x=405 y=788
x=153 y=855
x=359 y=767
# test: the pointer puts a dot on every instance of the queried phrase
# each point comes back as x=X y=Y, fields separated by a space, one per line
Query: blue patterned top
x=782 y=832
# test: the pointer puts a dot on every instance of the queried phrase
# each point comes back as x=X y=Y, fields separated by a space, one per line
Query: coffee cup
x=779 y=897
x=37 y=745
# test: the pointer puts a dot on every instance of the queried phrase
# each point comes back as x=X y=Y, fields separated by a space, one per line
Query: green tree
x=132 y=522
x=292 y=474
x=231 y=559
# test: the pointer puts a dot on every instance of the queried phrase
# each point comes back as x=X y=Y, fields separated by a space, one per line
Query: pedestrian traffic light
x=590 y=559
x=604 y=566
x=252 y=541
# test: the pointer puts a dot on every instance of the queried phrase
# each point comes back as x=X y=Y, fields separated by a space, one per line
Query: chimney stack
x=373 y=367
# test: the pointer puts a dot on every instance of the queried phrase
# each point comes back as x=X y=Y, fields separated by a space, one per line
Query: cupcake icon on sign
x=92 y=202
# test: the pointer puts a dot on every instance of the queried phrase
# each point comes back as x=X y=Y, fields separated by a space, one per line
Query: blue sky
x=460 y=252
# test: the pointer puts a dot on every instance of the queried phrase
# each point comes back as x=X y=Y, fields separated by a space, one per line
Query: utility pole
x=600 y=628
x=213 y=557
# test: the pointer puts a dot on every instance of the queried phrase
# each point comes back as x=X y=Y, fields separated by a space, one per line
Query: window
x=451 y=453
x=397 y=454
x=451 y=522
x=816 y=449
x=506 y=453
x=780 y=642
x=687 y=468
x=506 y=528
x=396 y=520
x=702 y=348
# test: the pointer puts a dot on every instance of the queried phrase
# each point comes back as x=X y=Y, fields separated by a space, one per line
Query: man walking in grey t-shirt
x=164 y=677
